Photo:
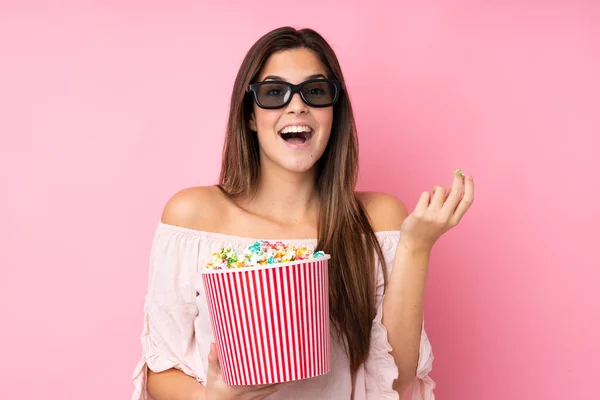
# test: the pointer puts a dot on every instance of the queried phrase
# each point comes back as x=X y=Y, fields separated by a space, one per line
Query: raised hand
x=436 y=214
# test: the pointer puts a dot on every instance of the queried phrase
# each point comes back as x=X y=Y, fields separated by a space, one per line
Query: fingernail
x=460 y=172
x=469 y=177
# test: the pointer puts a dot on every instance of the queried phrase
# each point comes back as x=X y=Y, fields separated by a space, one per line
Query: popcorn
x=260 y=253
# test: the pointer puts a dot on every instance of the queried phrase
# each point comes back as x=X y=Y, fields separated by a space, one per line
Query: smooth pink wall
x=106 y=110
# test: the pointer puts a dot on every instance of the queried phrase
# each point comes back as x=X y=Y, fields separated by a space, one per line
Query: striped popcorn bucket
x=271 y=323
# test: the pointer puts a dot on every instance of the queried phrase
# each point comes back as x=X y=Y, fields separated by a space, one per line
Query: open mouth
x=296 y=134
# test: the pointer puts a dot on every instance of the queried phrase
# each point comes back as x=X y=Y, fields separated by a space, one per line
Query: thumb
x=213 y=359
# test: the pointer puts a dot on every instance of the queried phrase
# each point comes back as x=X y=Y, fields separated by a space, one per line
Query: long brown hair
x=344 y=230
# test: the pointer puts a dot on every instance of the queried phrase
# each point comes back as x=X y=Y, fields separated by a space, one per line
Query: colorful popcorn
x=260 y=253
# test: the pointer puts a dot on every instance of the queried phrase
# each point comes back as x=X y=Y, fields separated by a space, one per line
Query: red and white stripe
x=270 y=324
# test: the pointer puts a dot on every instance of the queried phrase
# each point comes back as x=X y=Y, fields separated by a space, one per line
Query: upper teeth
x=295 y=129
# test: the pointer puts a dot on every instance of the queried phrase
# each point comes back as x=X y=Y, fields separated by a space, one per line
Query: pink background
x=106 y=110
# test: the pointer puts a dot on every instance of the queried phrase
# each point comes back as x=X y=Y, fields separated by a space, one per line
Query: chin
x=300 y=167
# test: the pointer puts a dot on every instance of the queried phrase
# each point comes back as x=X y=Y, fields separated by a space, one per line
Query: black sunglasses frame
x=253 y=88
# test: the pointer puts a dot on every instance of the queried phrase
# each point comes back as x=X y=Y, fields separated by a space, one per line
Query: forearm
x=403 y=311
x=174 y=385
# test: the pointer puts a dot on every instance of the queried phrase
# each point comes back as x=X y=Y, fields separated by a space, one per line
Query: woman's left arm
x=403 y=311
x=405 y=292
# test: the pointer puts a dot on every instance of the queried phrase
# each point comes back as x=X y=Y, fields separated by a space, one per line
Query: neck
x=286 y=196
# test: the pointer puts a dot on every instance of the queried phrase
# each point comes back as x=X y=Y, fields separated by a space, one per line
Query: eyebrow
x=278 y=78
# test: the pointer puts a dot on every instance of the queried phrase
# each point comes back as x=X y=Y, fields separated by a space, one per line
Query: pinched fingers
x=456 y=193
x=465 y=202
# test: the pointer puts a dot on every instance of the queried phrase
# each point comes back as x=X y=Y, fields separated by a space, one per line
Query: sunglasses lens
x=273 y=94
x=319 y=93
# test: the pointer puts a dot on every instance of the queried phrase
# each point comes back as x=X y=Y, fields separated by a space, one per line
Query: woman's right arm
x=173 y=384
x=171 y=367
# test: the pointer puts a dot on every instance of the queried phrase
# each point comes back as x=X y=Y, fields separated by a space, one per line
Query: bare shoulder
x=386 y=212
x=194 y=207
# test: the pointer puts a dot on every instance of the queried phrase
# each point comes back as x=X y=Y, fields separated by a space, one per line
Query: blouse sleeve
x=380 y=368
x=169 y=310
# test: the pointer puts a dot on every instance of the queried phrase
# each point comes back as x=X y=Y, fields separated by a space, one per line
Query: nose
x=296 y=105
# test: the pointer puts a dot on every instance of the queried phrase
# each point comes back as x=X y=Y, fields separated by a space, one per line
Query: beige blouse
x=177 y=332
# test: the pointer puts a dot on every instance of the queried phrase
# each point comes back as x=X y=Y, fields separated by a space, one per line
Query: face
x=293 y=137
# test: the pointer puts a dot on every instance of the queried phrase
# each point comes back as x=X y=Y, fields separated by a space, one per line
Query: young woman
x=289 y=172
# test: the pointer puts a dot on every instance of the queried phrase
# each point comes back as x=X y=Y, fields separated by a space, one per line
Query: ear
x=252 y=123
